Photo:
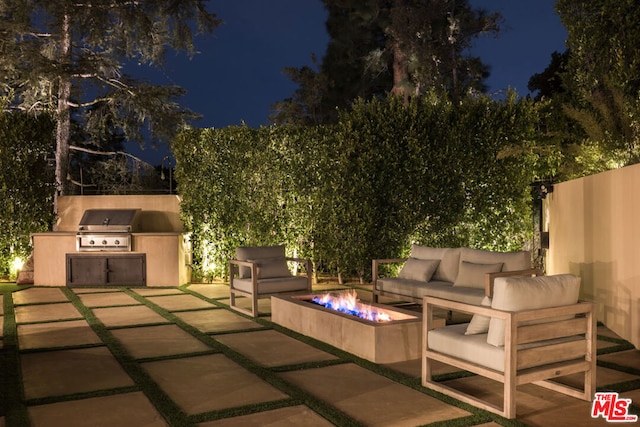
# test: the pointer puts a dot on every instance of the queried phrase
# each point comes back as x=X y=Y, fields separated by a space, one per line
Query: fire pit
x=388 y=341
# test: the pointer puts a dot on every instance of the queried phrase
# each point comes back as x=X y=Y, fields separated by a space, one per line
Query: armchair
x=261 y=271
x=533 y=330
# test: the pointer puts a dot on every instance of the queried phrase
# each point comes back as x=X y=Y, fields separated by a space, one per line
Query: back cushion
x=449 y=258
x=419 y=269
x=511 y=261
x=245 y=253
x=527 y=293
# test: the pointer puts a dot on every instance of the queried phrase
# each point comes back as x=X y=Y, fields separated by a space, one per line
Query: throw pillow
x=419 y=269
x=472 y=275
x=479 y=323
x=269 y=268
x=528 y=293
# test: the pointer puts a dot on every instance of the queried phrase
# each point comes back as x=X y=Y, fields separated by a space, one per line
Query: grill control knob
x=104 y=242
x=116 y=242
x=91 y=242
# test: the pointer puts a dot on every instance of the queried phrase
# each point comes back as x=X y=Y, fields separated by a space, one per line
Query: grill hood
x=109 y=220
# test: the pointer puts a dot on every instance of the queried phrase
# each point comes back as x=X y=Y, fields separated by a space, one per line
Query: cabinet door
x=86 y=270
x=126 y=270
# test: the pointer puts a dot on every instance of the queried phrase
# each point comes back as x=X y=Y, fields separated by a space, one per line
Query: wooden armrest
x=490 y=277
x=376 y=262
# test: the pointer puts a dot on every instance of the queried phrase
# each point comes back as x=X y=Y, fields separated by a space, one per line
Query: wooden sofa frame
x=548 y=361
x=255 y=295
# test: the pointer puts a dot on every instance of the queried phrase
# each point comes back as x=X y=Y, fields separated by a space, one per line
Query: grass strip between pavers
x=297 y=394
x=16 y=410
x=172 y=413
x=13 y=408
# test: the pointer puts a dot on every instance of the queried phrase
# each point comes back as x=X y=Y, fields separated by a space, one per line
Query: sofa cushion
x=449 y=259
x=275 y=285
x=269 y=268
x=245 y=253
x=479 y=323
x=472 y=275
x=433 y=288
x=512 y=261
x=527 y=293
x=419 y=269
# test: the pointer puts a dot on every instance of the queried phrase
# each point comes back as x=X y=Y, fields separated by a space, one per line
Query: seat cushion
x=527 y=293
x=271 y=286
x=418 y=269
x=433 y=288
x=245 y=253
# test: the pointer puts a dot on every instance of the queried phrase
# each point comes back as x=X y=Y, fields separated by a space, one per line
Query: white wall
x=594 y=232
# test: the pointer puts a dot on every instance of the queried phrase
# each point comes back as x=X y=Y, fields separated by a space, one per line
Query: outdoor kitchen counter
x=167 y=257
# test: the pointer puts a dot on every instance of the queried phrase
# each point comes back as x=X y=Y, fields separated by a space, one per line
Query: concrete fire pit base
x=378 y=342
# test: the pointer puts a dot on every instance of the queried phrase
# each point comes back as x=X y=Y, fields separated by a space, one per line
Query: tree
x=377 y=47
x=68 y=57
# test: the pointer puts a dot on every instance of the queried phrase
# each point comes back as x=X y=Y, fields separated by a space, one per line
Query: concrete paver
x=156 y=341
x=113 y=317
x=216 y=320
x=46 y=312
x=371 y=398
x=63 y=372
x=213 y=291
x=56 y=334
x=210 y=382
x=293 y=416
x=179 y=302
x=157 y=291
x=128 y=409
x=38 y=295
x=107 y=299
x=272 y=348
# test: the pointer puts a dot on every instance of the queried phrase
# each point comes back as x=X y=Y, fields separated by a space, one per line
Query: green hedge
x=26 y=184
x=385 y=176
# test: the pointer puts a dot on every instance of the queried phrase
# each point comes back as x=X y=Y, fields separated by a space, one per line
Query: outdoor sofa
x=458 y=274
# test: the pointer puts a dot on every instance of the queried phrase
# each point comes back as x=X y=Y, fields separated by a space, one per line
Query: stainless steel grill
x=106 y=230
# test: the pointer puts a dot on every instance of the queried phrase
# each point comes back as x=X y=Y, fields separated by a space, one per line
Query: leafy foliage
x=384 y=176
x=26 y=183
x=68 y=58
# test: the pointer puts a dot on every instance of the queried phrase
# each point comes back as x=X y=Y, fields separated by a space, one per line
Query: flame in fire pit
x=347 y=302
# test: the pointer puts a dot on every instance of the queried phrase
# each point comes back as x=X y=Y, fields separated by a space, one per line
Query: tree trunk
x=400 y=74
x=63 y=128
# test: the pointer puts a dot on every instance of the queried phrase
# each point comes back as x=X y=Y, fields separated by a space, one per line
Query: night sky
x=238 y=74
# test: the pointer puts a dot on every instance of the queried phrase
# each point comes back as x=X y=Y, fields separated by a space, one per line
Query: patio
x=180 y=356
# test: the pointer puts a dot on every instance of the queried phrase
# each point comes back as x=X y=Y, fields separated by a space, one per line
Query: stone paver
x=629 y=358
x=157 y=291
x=38 y=295
x=155 y=341
x=293 y=416
x=56 y=334
x=371 y=398
x=210 y=382
x=129 y=409
x=113 y=317
x=213 y=291
x=62 y=372
x=92 y=290
x=180 y=302
x=216 y=320
x=46 y=312
x=107 y=299
x=272 y=348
